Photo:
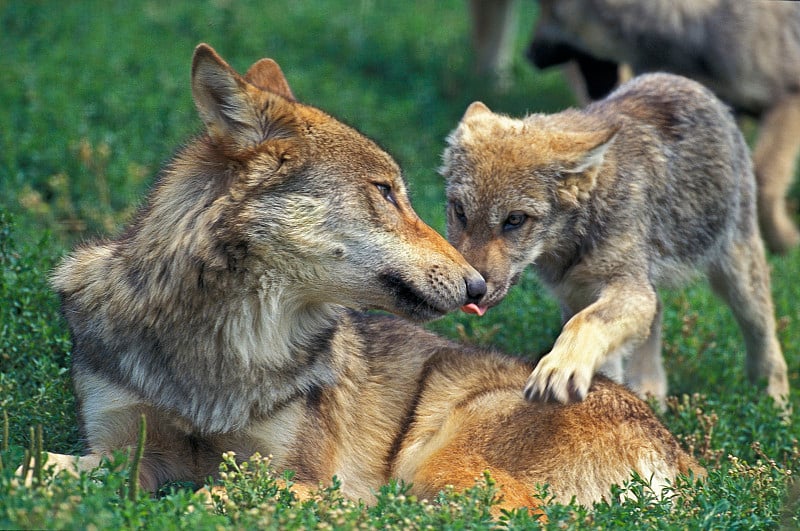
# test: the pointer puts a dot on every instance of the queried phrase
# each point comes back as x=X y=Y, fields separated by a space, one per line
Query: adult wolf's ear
x=239 y=114
x=267 y=75
x=587 y=155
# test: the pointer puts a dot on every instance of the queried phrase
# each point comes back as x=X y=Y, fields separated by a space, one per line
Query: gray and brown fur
x=230 y=314
x=747 y=52
x=634 y=192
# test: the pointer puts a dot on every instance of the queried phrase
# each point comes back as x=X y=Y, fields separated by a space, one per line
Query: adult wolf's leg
x=775 y=158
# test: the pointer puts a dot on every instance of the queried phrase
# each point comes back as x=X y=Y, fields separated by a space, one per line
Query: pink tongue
x=474 y=308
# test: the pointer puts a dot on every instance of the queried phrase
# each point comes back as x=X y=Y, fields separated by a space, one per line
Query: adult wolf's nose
x=476 y=288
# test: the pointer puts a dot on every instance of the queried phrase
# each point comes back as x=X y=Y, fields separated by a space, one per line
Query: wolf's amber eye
x=458 y=209
x=386 y=192
x=514 y=220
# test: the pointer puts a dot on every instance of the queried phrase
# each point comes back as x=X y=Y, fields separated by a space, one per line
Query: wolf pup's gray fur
x=636 y=191
x=227 y=313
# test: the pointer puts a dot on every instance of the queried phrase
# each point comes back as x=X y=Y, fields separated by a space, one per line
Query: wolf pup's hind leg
x=742 y=280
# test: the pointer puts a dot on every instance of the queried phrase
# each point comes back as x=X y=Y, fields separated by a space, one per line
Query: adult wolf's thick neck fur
x=183 y=286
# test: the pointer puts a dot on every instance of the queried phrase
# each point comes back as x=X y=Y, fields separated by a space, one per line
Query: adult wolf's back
x=227 y=314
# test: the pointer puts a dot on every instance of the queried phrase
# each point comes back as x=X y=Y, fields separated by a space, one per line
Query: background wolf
x=747 y=52
x=221 y=314
x=608 y=203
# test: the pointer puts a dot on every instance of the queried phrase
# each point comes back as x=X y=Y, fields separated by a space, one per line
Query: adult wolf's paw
x=555 y=378
x=53 y=464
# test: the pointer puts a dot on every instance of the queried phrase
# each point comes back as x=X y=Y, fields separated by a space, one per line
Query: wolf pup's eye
x=386 y=192
x=514 y=221
x=458 y=209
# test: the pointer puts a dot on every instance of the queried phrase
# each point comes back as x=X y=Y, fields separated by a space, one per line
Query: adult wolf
x=228 y=314
x=608 y=203
x=748 y=53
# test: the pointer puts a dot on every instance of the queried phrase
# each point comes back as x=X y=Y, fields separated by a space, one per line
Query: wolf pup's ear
x=584 y=164
x=267 y=75
x=592 y=146
x=232 y=109
x=475 y=108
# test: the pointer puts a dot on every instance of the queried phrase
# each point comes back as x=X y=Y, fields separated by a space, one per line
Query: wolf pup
x=636 y=191
x=229 y=315
x=747 y=52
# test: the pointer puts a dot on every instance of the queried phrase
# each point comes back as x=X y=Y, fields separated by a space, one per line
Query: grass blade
x=133 y=491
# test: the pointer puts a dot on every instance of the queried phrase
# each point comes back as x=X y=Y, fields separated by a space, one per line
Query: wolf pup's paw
x=555 y=379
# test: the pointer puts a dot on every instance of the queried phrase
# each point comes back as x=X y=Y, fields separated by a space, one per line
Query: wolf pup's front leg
x=618 y=321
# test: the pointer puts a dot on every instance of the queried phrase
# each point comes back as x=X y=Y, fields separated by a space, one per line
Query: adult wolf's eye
x=514 y=220
x=458 y=209
x=386 y=192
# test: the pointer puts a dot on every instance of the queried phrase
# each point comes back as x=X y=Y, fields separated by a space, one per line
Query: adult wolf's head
x=517 y=190
x=311 y=204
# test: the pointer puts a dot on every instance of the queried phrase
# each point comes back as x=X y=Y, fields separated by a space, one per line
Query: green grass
x=95 y=96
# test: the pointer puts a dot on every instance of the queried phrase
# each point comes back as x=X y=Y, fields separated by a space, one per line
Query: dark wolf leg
x=171 y=453
x=493 y=30
x=774 y=159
